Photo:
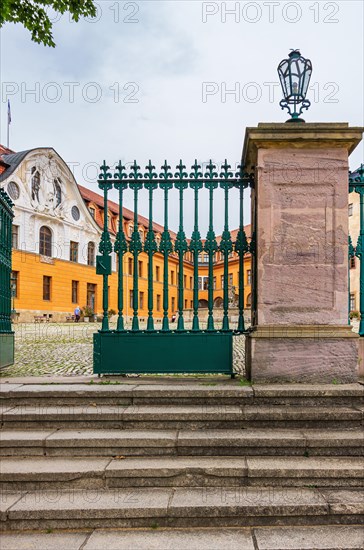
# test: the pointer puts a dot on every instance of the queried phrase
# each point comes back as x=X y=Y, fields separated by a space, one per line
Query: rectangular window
x=141 y=300
x=130 y=266
x=352 y=262
x=131 y=298
x=140 y=268
x=185 y=304
x=91 y=253
x=91 y=296
x=74 y=292
x=352 y=302
x=47 y=287
x=15 y=236
x=191 y=304
x=172 y=277
x=203 y=283
x=185 y=281
x=351 y=208
x=73 y=251
x=173 y=305
x=158 y=273
x=249 y=277
x=14 y=281
x=158 y=302
x=191 y=285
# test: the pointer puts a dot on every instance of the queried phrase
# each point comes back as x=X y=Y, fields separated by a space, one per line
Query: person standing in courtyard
x=77 y=313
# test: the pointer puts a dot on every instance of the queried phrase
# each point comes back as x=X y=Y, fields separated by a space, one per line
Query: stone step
x=44 y=473
x=180 y=416
x=180 y=507
x=223 y=442
x=263 y=538
x=186 y=392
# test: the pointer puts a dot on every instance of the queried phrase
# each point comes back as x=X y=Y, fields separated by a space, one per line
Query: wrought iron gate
x=356 y=184
x=6 y=333
x=197 y=349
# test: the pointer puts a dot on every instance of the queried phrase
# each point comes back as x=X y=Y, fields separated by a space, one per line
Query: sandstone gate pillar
x=300 y=330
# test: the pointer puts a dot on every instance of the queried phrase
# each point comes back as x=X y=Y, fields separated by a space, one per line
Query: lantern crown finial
x=295 y=74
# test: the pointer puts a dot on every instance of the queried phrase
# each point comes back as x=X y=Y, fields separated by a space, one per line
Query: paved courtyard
x=66 y=349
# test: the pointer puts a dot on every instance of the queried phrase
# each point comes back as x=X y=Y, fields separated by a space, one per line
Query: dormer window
x=92 y=211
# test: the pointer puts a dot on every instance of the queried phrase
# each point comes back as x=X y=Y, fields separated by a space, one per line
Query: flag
x=9 y=112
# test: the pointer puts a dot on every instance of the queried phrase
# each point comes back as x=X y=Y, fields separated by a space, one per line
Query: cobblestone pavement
x=66 y=349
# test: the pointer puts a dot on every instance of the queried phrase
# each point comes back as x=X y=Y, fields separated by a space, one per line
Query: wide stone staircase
x=143 y=464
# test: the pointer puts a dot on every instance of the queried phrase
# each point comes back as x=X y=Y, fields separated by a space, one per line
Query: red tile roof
x=5 y=151
x=98 y=200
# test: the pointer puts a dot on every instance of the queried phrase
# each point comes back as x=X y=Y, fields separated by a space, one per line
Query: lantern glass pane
x=306 y=80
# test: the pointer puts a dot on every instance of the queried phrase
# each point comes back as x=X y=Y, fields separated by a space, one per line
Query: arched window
x=249 y=300
x=35 y=184
x=57 y=191
x=45 y=241
x=91 y=253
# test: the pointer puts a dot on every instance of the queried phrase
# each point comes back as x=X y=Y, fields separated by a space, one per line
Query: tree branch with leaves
x=32 y=14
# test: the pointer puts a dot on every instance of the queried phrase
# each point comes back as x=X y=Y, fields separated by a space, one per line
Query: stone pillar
x=300 y=329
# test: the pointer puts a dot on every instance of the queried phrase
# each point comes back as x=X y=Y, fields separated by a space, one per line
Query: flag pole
x=9 y=120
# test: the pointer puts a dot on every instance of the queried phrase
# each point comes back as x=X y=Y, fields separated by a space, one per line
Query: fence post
x=211 y=246
x=120 y=246
x=166 y=243
x=181 y=246
x=195 y=243
x=150 y=246
x=105 y=248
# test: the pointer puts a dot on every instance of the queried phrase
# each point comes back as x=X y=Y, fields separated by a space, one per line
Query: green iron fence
x=197 y=349
x=356 y=184
x=6 y=333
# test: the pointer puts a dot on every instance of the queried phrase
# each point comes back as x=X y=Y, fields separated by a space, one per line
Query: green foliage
x=88 y=311
x=32 y=14
x=244 y=382
x=354 y=315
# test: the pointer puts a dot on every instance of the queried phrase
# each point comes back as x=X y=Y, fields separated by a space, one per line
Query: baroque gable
x=47 y=187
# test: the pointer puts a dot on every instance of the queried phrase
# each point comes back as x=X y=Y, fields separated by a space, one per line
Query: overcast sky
x=148 y=79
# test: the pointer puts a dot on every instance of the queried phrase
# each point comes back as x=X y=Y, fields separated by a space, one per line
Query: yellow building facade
x=56 y=232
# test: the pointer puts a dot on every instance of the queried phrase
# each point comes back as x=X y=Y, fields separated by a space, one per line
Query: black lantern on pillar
x=295 y=74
